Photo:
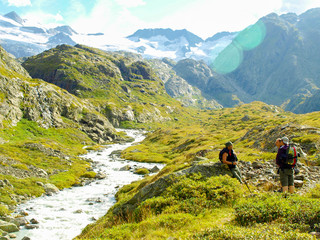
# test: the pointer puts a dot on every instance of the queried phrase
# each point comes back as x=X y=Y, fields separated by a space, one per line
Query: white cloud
x=298 y=6
x=207 y=17
x=38 y=17
x=107 y=17
x=19 y=3
x=130 y=3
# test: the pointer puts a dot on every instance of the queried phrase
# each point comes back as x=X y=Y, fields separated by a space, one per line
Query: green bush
x=3 y=210
x=89 y=174
x=268 y=208
x=194 y=194
x=141 y=171
x=258 y=232
x=314 y=192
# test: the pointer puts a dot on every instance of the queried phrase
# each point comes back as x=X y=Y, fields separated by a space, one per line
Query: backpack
x=291 y=156
x=221 y=153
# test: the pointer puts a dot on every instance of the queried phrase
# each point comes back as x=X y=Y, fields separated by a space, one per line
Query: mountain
x=168 y=33
x=179 y=44
x=275 y=61
x=121 y=85
x=23 y=38
x=46 y=104
x=15 y=17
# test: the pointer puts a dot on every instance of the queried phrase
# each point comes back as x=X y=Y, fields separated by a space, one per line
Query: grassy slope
x=15 y=153
x=62 y=172
x=179 y=145
x=101 y=77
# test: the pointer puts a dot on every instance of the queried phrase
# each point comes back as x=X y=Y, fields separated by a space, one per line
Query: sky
x=123 y=17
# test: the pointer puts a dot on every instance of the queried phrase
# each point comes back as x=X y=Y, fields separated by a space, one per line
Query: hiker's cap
x=285 y=140
x=229 y=144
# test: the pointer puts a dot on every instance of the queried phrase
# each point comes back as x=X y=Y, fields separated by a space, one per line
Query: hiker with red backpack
x=286 y=160
x=227 y=156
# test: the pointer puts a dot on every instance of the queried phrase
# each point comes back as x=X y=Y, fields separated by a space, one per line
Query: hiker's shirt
x=231 y=158
x=281 y=156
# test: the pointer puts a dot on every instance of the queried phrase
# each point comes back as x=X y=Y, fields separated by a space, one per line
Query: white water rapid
x=62 y=216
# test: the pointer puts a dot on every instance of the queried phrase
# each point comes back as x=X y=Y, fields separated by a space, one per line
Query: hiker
x=229 y=157
x=285 y=170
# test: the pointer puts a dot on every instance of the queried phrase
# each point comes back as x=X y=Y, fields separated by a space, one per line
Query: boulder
x=100 y=176
x=26 y=238
x=154 y=169
x=257 y=165
x=298 y=183
x=8 y=227
x=316 y=234
x=31 y=226
x=125 y=168
x=299 y=177
x=50 y=188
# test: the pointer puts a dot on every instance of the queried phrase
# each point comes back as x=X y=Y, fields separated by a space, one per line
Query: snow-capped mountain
x=24 y=38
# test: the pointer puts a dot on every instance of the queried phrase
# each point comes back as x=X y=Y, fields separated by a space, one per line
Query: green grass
x=194 y=208
x=28 y=144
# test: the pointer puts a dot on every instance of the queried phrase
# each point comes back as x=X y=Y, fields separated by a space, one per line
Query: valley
x=66 y=103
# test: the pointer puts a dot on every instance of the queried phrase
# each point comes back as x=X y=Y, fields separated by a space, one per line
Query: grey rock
x=20 y=221
x=316 y=234
x=12 y=235
x=26 y=238
x=154 y=169
x=257 y=165
x=50 y=188
x=100 y=176
x=125 y=168
x=298 y=183
x=245 y=118
x=299 y=177
x=31 y=226
x=34 y=221
x=8 y=227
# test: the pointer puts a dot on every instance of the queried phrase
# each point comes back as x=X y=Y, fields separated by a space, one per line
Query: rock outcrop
x=261 y=175
x=48 y=105
x=159 y=186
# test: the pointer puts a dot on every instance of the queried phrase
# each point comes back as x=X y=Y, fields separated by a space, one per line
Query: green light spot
x=252 y=36
x=229 y=59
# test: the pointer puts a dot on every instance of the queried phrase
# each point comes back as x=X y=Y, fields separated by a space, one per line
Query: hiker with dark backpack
x=227 y=156
x=286 y=160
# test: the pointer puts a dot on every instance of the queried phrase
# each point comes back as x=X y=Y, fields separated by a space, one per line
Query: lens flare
x=231 y=57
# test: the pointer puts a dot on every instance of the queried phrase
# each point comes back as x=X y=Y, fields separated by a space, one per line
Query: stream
x=64 y=215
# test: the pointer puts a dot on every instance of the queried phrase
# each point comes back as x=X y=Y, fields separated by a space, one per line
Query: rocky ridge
x=46 y=104
x=258 y=175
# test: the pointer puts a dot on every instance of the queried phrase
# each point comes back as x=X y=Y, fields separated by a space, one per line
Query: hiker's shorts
x=286 y=177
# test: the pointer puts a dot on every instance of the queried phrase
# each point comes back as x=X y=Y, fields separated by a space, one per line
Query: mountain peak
x=168 y=33
x=15 y=17
x=65 y=29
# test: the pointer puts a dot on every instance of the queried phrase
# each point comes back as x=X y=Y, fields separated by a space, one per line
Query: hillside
x=43 y=131
x=210 y=204
x=274 y=61
x=122 y=86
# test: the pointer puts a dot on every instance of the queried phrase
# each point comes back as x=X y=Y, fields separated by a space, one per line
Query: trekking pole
x=245 y=182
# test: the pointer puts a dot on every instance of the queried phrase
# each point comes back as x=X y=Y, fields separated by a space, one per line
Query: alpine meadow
x=63 y=99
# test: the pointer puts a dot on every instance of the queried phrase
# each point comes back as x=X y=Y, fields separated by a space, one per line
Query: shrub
x=267 y=208
x=142 y=171
x=314 y=192
x=193 y=194
x=259 y=231
x=3 y=210
x=89 y=175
